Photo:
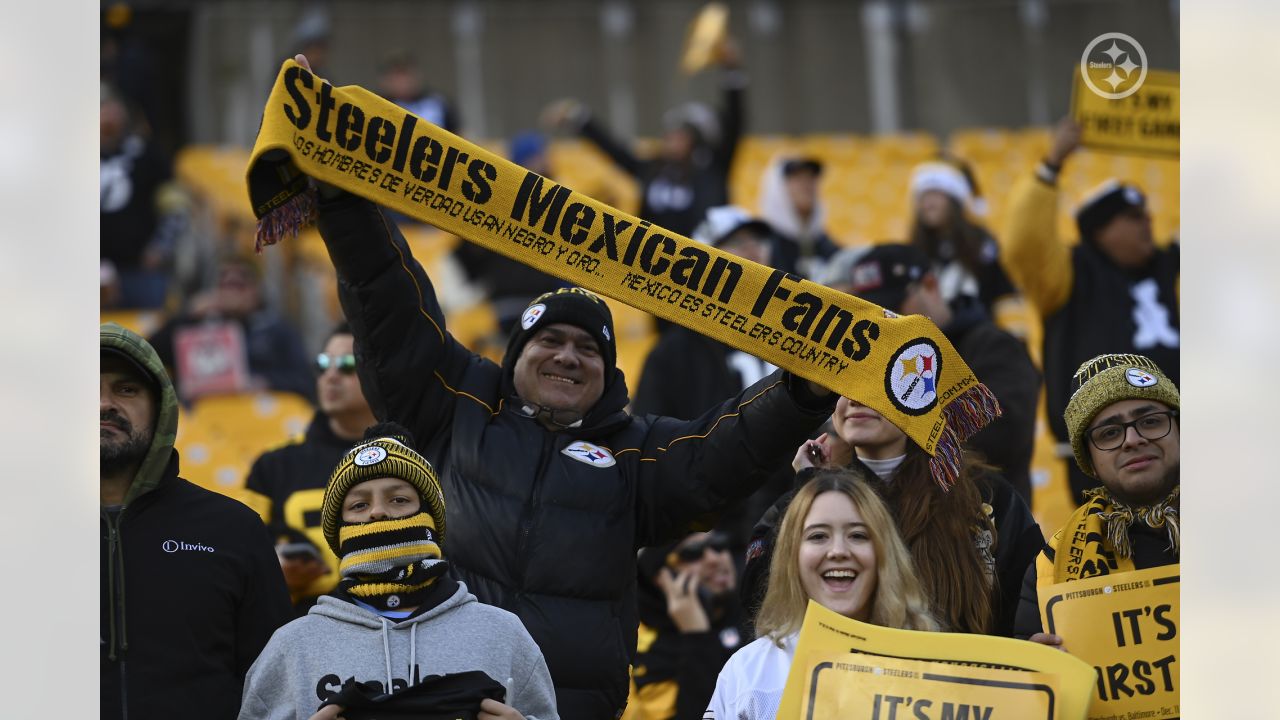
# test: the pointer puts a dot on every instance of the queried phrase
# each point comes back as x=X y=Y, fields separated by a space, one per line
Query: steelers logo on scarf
x=390 y=564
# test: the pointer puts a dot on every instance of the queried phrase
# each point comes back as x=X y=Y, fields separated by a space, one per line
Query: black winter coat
x=1001 y=362
x=199 y=594
x=533 y=527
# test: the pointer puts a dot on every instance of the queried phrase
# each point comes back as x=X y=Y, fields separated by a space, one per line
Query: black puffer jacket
x=532 y=528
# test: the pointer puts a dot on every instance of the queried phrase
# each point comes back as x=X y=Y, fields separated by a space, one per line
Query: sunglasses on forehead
x=692 y=552
x=345 y=364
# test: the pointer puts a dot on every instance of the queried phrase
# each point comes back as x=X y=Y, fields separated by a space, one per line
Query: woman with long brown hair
x=971 y=543
x=946 y=206
x=838 y=546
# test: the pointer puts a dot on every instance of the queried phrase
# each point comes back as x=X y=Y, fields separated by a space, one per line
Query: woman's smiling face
x=837 y=557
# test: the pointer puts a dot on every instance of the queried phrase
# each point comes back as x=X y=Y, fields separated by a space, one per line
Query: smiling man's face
x=561 y=368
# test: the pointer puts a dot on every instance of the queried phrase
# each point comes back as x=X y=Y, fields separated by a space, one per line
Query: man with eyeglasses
x=1114 y=291
x=690 y=624
x=1123 y=420
x=286 y=484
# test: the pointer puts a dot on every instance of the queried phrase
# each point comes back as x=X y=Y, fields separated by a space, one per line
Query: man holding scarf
x=553 y=485
x=1123 y=423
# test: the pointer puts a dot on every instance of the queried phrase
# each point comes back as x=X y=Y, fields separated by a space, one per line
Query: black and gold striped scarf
x=1095 y=540
x=390 y=564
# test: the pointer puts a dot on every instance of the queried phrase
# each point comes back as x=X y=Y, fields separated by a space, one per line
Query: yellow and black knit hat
x=1107 y=379
x=386 y=452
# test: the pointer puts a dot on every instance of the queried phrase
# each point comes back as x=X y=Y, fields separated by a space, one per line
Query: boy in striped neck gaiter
x=383 y=516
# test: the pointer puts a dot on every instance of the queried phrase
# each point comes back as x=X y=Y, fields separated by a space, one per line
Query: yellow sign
x=1126 y=626
x=862 y=687
x=1144 y=123
x=926 y=675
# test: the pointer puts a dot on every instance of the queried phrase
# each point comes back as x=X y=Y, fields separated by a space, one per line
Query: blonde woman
x=837 y=545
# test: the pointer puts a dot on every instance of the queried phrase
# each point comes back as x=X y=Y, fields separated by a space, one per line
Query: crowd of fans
x=608 y=553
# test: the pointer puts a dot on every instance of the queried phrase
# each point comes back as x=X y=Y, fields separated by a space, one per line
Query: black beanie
x=574 y=306
x=1104 y=204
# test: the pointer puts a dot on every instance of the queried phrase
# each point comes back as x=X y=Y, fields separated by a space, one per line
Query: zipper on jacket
x=115 y=591
x=530 y=507
x=124 y=694
x=113 y=580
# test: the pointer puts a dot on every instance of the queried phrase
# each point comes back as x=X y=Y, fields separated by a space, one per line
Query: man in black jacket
x=898 y=277
x=286 y=484
x=690 y=625
x=553 y=486
x=204 y=590
x=1115 y=291
x=691 y=172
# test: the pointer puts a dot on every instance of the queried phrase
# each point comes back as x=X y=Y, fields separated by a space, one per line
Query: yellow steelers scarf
x=1095 y=539
x=903 y=367
x=390 y=563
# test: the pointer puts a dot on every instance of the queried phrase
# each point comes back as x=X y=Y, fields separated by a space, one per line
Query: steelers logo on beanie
x=573 y=306
x=387 y=451
x=1108 y=379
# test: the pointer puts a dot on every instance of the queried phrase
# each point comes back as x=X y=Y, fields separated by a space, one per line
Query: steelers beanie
x=385 y=452
x=1107 y=379
x=574 y=306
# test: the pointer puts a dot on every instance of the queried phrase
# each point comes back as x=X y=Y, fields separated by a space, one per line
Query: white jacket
x=750 y=684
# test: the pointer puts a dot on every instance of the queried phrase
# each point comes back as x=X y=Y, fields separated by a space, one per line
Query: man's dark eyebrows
x=1134 y=413
x=579 y=335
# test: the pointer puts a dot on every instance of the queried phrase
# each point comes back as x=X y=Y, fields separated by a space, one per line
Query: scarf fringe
x=1117 y=517
x=287 y=220
x=962 y=417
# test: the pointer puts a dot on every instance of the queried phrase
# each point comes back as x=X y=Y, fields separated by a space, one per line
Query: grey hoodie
x=309 y=659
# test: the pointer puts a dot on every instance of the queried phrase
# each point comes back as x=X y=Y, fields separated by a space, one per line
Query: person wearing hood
x=553 y=486
x=191 y=589
x=397 y=625
x=1115 y=291
x=790 y=203
x=900 y=278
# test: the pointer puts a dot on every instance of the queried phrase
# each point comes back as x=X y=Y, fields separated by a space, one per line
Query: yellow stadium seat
x=221 y=436
x=476 y=327
x=143 y=322
x=255 y=420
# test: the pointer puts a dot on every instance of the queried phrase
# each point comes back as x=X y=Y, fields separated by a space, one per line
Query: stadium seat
x=221 y=435
x=143 y=322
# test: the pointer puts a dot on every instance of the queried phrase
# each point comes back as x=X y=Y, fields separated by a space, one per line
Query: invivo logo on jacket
x=172 y=546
